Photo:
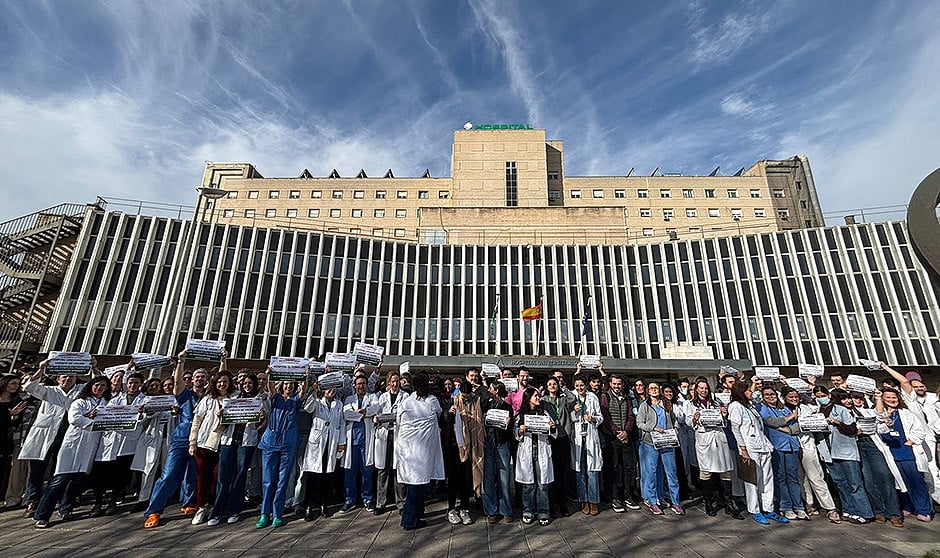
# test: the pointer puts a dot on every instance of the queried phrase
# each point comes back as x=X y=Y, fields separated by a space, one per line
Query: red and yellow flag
x=533 y=313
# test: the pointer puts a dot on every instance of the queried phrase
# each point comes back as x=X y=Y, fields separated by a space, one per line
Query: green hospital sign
x=470 y=126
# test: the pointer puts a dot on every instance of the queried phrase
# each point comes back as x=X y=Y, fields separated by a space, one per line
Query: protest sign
x=813 y=422
x=370 y=355
x=536 y=424
x=149 y=361
x=288 y=369
x=341 y=362
x=63 y=363
x=710 y=417
x=204 y=349
x=498 y=418
x=241 y=410
x=115 y=417
x=157 y=403
x=665 y=439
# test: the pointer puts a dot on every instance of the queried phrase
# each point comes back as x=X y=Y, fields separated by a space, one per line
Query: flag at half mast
x=533 y=313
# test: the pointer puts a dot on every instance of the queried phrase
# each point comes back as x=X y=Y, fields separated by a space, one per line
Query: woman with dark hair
x=715 y=461
x=814 y=482
x=151 y=445
x=555 y=402
x=497 y=471
x=785 y=459
x=753 y=445
x=205 y=437
x=323 y=448
x=877 y=462
x=11 y=409
x=586 y=457
x=656 y=414
x=534 y=468
x=278 y=447
x=843 y=459
x=905 y=436
x=77 y=454
x=418 y=451
x=237 y=445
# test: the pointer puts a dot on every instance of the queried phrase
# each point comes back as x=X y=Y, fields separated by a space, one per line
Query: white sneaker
x=465 y=517
x=790 y=514
x=454 y=517
x=213 y=522
x=800 y=514
x=233 y=519
x=200 y=516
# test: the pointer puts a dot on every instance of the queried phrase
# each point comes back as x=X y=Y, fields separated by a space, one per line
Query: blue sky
x=129 y=99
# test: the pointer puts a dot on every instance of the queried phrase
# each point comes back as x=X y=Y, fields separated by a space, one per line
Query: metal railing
x=27 y=222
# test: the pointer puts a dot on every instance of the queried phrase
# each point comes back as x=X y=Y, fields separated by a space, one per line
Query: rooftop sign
x=471 y=126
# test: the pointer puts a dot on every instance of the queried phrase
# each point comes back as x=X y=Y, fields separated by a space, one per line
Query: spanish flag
x=533 y=313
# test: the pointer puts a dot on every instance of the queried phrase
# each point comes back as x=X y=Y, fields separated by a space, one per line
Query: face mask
x=822 y=400
x=684 y=391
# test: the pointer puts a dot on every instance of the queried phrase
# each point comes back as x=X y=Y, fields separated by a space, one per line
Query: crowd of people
x=511 y=447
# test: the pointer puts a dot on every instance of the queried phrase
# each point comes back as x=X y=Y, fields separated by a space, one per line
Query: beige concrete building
x=508 y=186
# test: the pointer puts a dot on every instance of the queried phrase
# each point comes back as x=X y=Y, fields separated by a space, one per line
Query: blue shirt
x=282 y=433
x=898 y=444
x=781 y=440
x=660 y=416
x=359 y=430
x=186 y=401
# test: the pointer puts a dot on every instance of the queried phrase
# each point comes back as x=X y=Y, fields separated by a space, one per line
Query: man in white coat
x=358 y=410
x=385 y=430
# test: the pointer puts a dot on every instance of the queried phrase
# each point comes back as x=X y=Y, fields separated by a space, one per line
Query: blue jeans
x=359 y=470
x=180 y=467
x=847 y=475
x=276 y=467
x=917 y=498
x=233 y=474
x=588 y=486
x=879 y=482
x=535 y=500
x=66 y=488
x=496 y=479
x=786 y=465
x=650 y=459
x=414 y=504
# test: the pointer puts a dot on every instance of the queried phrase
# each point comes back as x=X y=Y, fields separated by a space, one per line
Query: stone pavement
x=362 y=534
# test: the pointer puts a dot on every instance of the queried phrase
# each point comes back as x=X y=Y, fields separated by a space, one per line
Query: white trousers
x=760 y=496
x=814 y=482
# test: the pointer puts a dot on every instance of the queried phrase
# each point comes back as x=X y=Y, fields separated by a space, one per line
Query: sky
x=129 y=99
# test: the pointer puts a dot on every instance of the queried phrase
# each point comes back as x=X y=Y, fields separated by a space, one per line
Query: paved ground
x=361 y=534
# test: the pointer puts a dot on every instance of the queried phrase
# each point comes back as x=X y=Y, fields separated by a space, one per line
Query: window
x=646 y=212
x=512 y=184
x=435 y=237
x=691 y=213
x=755 y=193
x=355 y=231
x=316 y=194
x=228 y=213
x=274 y=194
x=760 y=213
x=270 y=213
x=687 y=193
x=778 y=193
x=642 y=193
x=647 y=232
x=291 y=212
x=232 y=194
x=443 y=194
x=380 y=194
x=576 y=194
x=401 y=213
x=695 y=229
x=553 y=175
x=668 y=214
x=664 y=193
x=378 y=213
x=399 y=233
x=554 y=195
x=357 y=213
x=710 y=193
x=358 y=194
x=736 y=214
x=713 y=212
x=620 y=194
x=422 y=194
x=784 y=214
x=252 y=194
x=732 y=193
x=337 y=194
x=377 y=232
x=249 y=213
x=294 y=194
x=598 y=193
x=799 y=185
x=313 y=213
x=402 y=194
x=335 y=213
x=802 y=204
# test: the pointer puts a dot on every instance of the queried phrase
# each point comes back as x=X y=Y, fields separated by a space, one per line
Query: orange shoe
x=189 y=510
x=152 y=521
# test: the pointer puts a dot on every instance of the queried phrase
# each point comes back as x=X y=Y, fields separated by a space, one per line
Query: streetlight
x=211 y=193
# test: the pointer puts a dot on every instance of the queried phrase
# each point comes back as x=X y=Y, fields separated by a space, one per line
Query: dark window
x=512 y=185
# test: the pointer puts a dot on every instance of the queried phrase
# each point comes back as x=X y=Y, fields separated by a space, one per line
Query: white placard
x=110 y=371
x=331 y=380
x=723 y=398
x=115 y=417
x=767 y=373
x=498 y=418
x=869 y=364
x=710 y=417
x=863 y=384
x=536 y=424
x=157 y=403
x=288 y=369
x=867 y=425
x=385 y=418
x=63 y=363
x=204 y=349
x=150 y=361
x=729 y=371
x=241 y=410
x=352 y=416
x=341 y=362
x=489 y=370
x=512 y=384
x=665 y=439
x=799 y=384
x=589 y=361
x=814 y=370
x=316 y=368
x=370 y=355
x=404 y=368
x=813 y=422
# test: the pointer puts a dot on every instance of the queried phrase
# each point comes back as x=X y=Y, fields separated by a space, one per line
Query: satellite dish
x=468 y=126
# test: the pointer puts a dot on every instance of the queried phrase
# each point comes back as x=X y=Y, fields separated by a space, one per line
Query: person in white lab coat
x=112 y=467
x=715 y=461
x=418 y=451
x=324 y=445
x=359 y=459
x=386 y=479
x=150 y=445
x=586 y=458
x=534 y=470
x=79 y=446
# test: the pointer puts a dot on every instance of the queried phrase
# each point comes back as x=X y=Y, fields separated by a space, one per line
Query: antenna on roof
x=427 y=173
x=740 y=172
x=362 y=174
x=654 y=171
x=305 y=174
x=715 y=172
x=631 y=171
x=389 y=174
x=334 y=174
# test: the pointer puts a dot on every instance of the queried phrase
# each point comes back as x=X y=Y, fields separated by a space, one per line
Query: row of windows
x=314 y=213
x=338 y=194
x=736 y=213
x=687 y=193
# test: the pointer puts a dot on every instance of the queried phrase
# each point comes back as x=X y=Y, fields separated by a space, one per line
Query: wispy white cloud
x=718 y=41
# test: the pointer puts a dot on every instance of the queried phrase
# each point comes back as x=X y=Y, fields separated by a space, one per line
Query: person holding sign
x=779 y=422
x=324 y=445
x=586 y=458
x=466 y=455
x=814 y=482
x=754 y=466
x=844 y=461
x=879 y=471
x=418 y=452
x=359 y=458
x=618 y=428
x=204 y=440
x=555 y=402
x=77 y=453
x=278 y=447
x=715 y=462
x=151 y=445
x=534 y=468
x=385 y=466
x=905 y=437
x=497 y=478
x=655 y=415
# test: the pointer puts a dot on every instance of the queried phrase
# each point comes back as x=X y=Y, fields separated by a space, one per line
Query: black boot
x=731 y=507
x=708 y=497
x=325 y=511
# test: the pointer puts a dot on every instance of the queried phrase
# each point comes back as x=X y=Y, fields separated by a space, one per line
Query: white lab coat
x=80 y=444
x=748 y=428
x=418 y=450
x=117 y=443
x=525 y=472
x=384 y=430
x=882 y=447
x=711 y=444
x=325 y=433
x=49 y=417
x=591 y=441
x=151 y=442
x=351 y=403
